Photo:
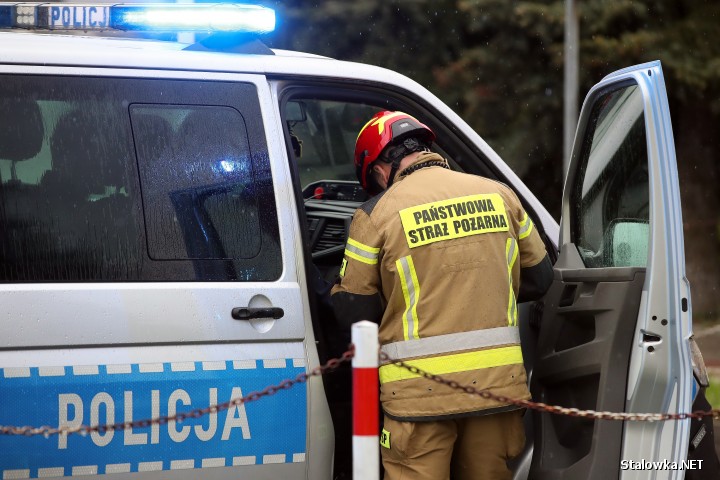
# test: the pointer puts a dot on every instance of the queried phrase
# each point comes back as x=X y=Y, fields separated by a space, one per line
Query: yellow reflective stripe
x=385 y=438
x=411 y=291
x=362 y=252
x=343 y=267
x=361 y=246
x=526 y=227
x=380 y=122
x=452 y=342
x=458 y=362
x=511 y=252
x=360 y=258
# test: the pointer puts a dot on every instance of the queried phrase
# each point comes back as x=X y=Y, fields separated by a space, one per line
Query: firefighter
x=440 y=260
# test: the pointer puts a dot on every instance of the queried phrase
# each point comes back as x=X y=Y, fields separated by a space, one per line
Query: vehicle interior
x=321 y=129
x=576 y=343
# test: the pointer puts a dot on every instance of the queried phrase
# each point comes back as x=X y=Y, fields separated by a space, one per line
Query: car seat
x=20 y=139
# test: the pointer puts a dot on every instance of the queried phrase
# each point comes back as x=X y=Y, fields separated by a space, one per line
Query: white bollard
x=366 y=428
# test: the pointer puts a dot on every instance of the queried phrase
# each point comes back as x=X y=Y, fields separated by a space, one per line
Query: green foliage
x=499 y=63
x=509 y=83
x=682 y=34
x=713 y=393
x=410 y=36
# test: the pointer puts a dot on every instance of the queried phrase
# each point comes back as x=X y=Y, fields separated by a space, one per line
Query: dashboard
x=328 y=226
x=341 y=190
x=329 y=207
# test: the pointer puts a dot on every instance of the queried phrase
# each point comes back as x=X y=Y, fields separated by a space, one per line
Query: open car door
x=615 y=331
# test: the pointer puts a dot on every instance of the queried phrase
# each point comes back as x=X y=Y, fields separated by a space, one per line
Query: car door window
x=111 y=186
x=68 y=204
x=197 y=183
x=323 y=132
x=610 y=213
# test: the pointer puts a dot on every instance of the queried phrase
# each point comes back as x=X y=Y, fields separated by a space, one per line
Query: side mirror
x=629 y=242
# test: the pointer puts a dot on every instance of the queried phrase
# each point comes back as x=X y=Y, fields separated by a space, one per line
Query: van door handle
x=247 y=313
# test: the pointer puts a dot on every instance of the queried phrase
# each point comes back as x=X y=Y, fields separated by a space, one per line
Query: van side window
x=610 y=217
x=197 y=182
x=68 y=211
x=100 y=183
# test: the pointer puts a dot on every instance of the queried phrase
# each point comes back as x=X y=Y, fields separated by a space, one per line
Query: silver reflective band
x=360 y=252
x=452 y=342
x=511 y=252
x=525 y=227
x=512 y=303
x=411 y=292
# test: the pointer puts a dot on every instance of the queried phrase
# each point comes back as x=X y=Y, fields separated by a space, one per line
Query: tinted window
x=75 y=174
x=610 y=198
x=197 y=182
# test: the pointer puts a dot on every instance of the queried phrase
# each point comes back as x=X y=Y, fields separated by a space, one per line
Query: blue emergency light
x=159 y=17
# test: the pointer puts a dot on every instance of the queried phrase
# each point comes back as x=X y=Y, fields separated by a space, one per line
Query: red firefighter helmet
x=385 y=128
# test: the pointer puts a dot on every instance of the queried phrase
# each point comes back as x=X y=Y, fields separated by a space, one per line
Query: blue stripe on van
x=269 y=430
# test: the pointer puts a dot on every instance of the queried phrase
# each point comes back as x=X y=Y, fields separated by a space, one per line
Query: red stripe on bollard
x=365 y=401
x=366 y=452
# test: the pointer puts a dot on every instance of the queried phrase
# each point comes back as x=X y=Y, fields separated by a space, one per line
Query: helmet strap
x=408 y=146
x=393 y=170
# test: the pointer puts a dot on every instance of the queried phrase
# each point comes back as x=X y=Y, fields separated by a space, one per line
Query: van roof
x=64 y=50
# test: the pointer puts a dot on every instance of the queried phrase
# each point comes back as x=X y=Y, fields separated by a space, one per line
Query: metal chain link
x=48 y=431
x=554 y=409
x=333 y=364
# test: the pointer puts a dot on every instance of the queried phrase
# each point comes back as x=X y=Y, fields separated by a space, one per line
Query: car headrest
x=207 y=150
x=202 y=123
x=152 y=126
x=21 y=138
x=81 y=149
x=199 y=132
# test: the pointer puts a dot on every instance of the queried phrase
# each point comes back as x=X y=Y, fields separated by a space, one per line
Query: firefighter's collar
x=424 y=160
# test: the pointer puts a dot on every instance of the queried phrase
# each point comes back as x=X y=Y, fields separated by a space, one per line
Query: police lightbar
x=159 y=17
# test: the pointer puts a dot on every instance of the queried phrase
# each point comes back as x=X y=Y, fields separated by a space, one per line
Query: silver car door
x=614 y=335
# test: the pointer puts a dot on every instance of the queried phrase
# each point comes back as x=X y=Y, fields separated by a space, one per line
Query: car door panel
x=613 y=336
x=581 y=362
x=118 y=297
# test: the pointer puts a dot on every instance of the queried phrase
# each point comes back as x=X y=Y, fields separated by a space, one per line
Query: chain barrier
x=544 y=407
x=333 y=364
x=48 y=431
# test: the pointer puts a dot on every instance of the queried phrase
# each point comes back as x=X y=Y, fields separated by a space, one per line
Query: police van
x=171 y=216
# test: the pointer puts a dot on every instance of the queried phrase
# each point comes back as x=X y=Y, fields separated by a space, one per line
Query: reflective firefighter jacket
x=440 y=254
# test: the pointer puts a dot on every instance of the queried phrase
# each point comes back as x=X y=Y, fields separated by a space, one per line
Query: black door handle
x=247 y=313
